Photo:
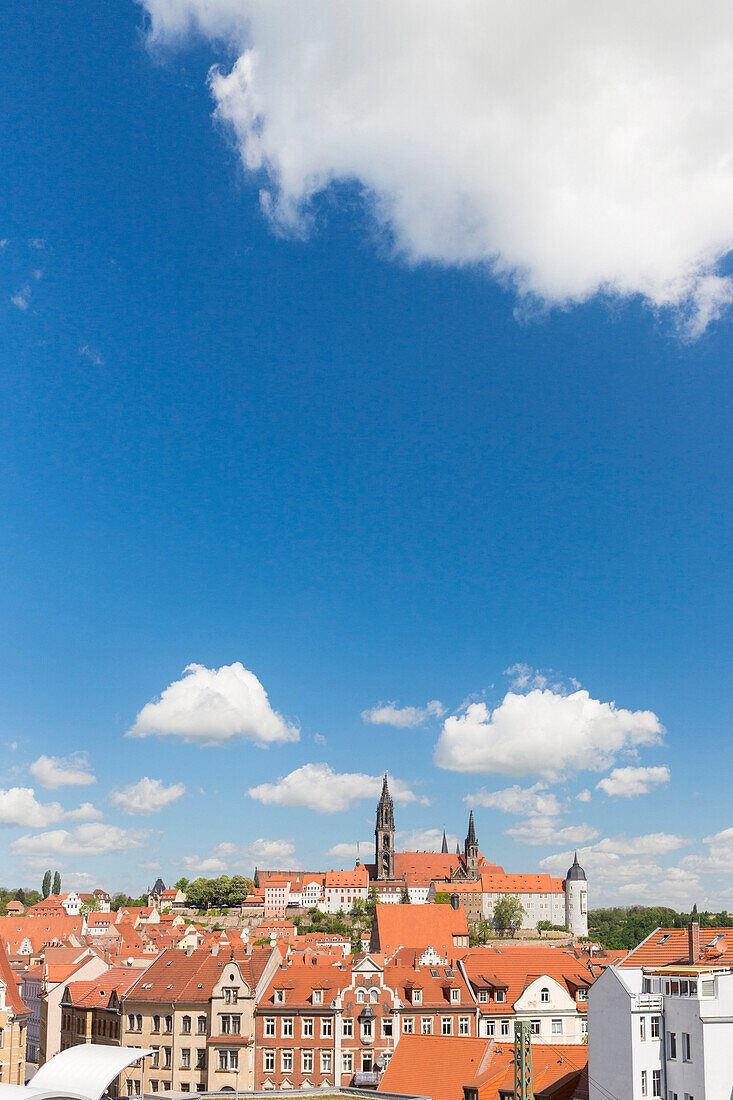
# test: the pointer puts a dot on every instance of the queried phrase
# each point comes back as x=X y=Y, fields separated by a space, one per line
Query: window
x=326 y=1061
x=500 y=995
x=656 y=1082
x=279 y=996
x=483 y=996
x=326 y=1028
x=169 y=1024
x=223 y=1059
x=464 y=1025
x=534 y=1027
x=545 y=995
x=186 y=1025
x=426 y=1025
x=490 y=1027
x=131 y=1027
x=306 y=1059
x=417 y=996
x=360 y=996
x=686 y=1047
x=583 y=1027
x=286 y=1061
x=655 y=1030
x=557 y=1027
x=367 y=1029
x=387 y=1029
x=201 y=1025
x=581 y=995
x=200 y=1059
x=671 y=1095
x=268 y=1062
x=642 y=1028
x=286 y=1027
x=186 y=1057
x=317 y=996
x=455 y=996
x=306 y=1027
x=408 y=1025
x=373 y=996
x=644 y=1083
x=269 y=1029
x=156 y=1057
x=153 y=1086
x=671 y=1045
x=708 y=988
x=446 y=1025
x=185 y=1088
x=504 y=1028
x=348 y=1061
x=347 y=1028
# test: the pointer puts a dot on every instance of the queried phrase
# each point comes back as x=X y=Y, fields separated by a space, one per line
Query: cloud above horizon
x=571 y=153
x=390 y=714
x=147 y=796
x=19 y=806
x=543 y=733
x=53 y=772
x=631 y=782
x=318 y=787
x=210 y=706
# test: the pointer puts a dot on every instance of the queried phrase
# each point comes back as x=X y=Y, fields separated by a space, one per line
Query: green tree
x=544 y=926
x=91 y=906
x=239 y=889
x=182 y=884
x=56 y=883
x=46 y=887
x=405 y=897
x=508 y=914
x=371 y=905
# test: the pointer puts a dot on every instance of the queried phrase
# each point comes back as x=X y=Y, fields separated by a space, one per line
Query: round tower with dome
x=576 y=900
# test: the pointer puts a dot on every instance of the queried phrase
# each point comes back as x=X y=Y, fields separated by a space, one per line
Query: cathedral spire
x=471 y=838
x=444 y=849
x=384 y=834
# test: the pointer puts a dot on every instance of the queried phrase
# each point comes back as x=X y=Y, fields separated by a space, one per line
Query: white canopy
x=79 y=1073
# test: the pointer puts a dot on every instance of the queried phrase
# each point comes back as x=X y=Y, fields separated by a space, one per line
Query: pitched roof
x=435 y=1065
x=513 y=968
x=418 y=926
x=38 y=930
x=356 y=879
x=10 y=978
x=558 y=1072
x=97 y=992
x=177 y=976
x=670 y=947
x=500 y=883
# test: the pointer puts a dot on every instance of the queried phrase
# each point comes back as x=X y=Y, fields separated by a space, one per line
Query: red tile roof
x=437 y=1066
x=670 y=947
x=559 y=1072
x=418 y=926
x=96 y=993
x=178 y=976
x=521 y=884
x=514 y=968
x=39 y=930
x=10 y=978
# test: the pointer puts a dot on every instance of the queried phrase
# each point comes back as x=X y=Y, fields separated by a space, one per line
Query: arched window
x=156 y=1023
x=201 y=1025
x=186 y=1025
x=545 y=995
x=360 y=996
x=169 y=1023
x=374 y=995
x=139 y=1022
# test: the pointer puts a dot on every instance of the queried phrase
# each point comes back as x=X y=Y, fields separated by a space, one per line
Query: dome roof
x=576 y=871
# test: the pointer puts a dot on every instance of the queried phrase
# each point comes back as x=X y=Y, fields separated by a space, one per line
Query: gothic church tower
x=470 y=851
x=384 y=835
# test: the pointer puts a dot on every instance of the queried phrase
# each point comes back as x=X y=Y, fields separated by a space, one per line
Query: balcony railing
x=647 y=1002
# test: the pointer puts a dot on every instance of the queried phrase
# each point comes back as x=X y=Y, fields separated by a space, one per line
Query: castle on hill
x=422 y=876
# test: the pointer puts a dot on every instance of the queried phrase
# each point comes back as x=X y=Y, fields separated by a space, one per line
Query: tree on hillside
x=91 y=906
x=544 y=926
x=371 y=905
x=182 y=884
x=508 y=914
x=56 y=883
x=239 y=889
x=46 y=887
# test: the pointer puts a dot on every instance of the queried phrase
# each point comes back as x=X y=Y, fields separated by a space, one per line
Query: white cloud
x=616 y=864
x=575 y=151
x=425 y=840
x=38 y=243
x=390 y=714
x=53 y=772
x=22 y=299
x=4 y=243
x=82 y=842
x=349 y=850
x=630 y=782
x=319 y=739
x=147 y=796
x=545 y=830
x=212 y=707
x=227 y=857
x=518 y=800
x=583 y=796
x=543 y=733
x=19 y=806
x=318 y=787
x=93 y=356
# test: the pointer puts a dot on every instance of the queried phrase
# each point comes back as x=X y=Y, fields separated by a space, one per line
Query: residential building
x=196 y=1011
x=661 y=1021
x=343 y=888
x=31 y=992
x=438 y=927
x=14 y=1015
x=60 y=965
x=91 y=1011
x=546 y=985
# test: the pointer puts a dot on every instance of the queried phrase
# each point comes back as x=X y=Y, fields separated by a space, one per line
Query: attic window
x=664 y=938
x=201 y=985
x=170 y=987
x=434 y=973
x=716 y=939
x=448 y=972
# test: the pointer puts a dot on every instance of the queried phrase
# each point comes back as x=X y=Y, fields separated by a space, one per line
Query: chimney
x=693 y=941
x=215 y=949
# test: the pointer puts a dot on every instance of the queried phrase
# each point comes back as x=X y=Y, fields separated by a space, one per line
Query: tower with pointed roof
x=384 y=835
x=576 y=899
x=444 y=849
x=470 y=850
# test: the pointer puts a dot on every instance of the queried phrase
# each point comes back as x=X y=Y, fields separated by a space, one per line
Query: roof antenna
x=358 y=861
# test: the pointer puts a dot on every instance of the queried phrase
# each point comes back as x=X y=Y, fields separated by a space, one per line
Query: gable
x=531 y=997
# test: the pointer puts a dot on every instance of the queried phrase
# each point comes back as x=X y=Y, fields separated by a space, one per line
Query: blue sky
x=368 y=470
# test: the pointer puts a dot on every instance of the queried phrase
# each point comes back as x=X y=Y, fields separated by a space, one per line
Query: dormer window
x=455 y=996
x=500 y=995
x=279 y=996
x=317 y=996
x=582 y=995
x=483 y=996
x=417 y=996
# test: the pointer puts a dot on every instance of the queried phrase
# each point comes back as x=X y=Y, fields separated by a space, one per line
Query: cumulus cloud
x=538 y=829
x=349 y=850
x=583 y=796
x=53 y=772
x=574 y=151
x=213 y=707
x=543 y=733
x=19 y=806
x=227 y=857
x=82 y=842
x=390 y=714
x=22 y=298
x=630 y=782
x=147 y=796
x=318 y=787
x=518 y=800
x=425 y=840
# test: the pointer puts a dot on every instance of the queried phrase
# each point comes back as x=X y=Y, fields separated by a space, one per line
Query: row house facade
x=14 y=1015
x=196 y=1012
x=329 y=1025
